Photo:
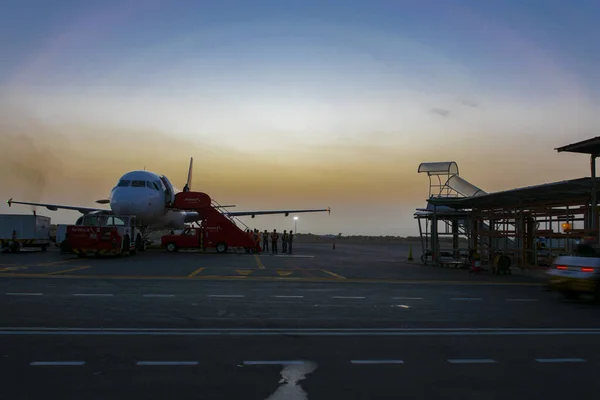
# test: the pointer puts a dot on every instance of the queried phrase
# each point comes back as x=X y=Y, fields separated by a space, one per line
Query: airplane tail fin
x=189 y=177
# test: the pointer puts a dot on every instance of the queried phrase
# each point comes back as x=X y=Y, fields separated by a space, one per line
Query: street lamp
x=295 y=225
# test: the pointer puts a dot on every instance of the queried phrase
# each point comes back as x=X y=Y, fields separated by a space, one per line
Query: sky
x=294 y=104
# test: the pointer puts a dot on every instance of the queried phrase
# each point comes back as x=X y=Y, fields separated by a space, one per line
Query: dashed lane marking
x=93 y=294
x=196 y=272
x=559 y=360
x=471 y=361
x=225 y=295
x=293 y=256
x=347 y=297
x=244 y=272
x=158 y=295
x=57 y=363
x=285 y=273
x=24 y=294
x=333 y=274
x=68 y=270
x=289 y=297
x=259 y=262
x=283 y=362
x=407 y=298
x=154 y=363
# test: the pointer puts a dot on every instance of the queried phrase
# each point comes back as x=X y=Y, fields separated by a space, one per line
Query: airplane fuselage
x=146 y=195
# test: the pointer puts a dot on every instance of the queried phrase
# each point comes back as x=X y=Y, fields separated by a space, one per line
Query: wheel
x=140 y=245
x=172 y=247
x=126 y=245
x=221 y=247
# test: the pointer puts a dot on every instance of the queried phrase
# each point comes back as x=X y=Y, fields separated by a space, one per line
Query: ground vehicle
x=24 y=230
x=216 y=230
x=107 y=235
x=210 y=236
x=572 y=276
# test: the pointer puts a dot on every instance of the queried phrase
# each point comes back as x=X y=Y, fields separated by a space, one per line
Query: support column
x=434 y=236
x=455 y=238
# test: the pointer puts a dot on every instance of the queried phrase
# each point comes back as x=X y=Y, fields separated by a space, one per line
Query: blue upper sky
x=372 y=87
x=479 y=35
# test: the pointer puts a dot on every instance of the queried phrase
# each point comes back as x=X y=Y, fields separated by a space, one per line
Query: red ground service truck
x=103 y=236
x=209 y=236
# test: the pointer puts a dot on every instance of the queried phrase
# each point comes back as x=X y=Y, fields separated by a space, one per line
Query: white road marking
x=158 y=295
x=466 y=298
x=523 y=300
x=99 y=331
x=293 y=256
x=407 y=298
x=24 y=294
x=347 y=297
x=289 y=297
x=377 y=361
x=49 y=363
x=471 y=361
x=167 y=363
x=94 y=294
x=293 y=362
x=225 y=295
x=559 y=360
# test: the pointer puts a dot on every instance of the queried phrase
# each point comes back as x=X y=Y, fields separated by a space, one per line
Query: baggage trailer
x=105 y=237
x=19 y=231
x=216 y=229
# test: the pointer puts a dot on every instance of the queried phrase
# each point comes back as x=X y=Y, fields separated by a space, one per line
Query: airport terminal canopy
x=589 y=146
x=574 y=191
x=439 y=168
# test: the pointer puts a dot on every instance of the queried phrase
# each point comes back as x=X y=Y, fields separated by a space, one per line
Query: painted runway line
x=559 y=360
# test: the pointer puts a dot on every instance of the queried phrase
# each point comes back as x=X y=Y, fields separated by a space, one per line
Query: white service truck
x=19 y=231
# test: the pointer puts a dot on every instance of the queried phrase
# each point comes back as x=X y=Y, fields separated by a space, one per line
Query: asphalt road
x=143 y=327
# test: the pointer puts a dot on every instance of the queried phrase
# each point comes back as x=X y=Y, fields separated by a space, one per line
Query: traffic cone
x=410 y=257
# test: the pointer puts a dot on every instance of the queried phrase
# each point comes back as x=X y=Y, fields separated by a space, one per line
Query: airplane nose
x=122 y=204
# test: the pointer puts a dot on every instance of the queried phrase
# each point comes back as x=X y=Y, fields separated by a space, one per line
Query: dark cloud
x=441 y=112
x=469 y=103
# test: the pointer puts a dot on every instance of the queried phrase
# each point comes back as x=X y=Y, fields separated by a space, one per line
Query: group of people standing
x=287 y=239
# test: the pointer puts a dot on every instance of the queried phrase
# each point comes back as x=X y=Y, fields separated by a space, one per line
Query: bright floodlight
x=295 y=218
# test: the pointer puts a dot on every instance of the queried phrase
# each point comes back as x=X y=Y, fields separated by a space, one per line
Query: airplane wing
x=54 y=207
x=286 y=212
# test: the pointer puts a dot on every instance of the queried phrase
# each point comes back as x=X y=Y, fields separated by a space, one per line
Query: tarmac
x=358 y=321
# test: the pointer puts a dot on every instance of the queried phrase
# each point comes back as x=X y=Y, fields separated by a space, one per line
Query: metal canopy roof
x=589 y=146
x=556 y=193
x=439 y=168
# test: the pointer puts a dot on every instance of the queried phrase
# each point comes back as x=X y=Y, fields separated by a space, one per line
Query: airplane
x=147 y=195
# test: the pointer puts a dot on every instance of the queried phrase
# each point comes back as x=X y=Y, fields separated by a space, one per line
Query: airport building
x=524 y=227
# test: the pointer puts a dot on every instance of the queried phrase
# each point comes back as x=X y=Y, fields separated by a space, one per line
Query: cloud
x=469 y=103
x=441 y=112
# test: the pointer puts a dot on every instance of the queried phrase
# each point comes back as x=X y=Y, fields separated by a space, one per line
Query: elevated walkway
x=445 y=182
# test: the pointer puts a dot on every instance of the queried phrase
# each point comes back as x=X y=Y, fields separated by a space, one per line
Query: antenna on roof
x=144 y=167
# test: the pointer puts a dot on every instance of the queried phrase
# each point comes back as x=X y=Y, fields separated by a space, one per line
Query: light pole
x=295 y=225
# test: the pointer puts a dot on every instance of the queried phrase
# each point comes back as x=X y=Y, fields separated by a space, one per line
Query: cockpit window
x=124 y=182
x=138 y=183
x=152 y=185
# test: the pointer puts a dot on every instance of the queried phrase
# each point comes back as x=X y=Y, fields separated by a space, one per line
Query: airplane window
x=152 y=185
x=157 y=187
x=138 y=183
x=124 y=182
